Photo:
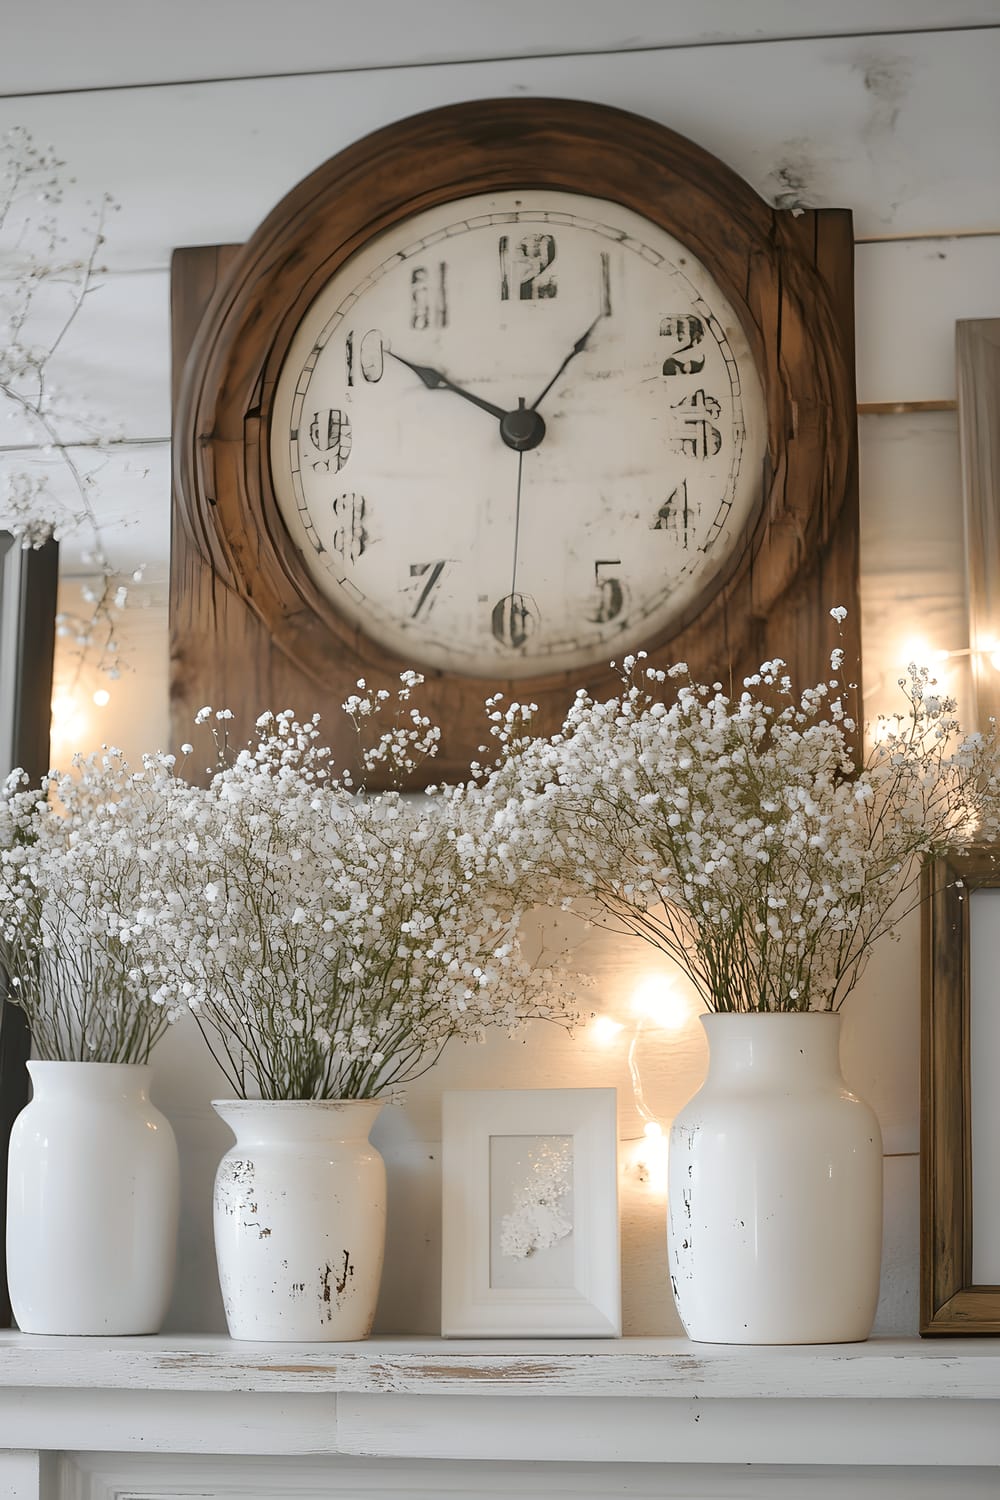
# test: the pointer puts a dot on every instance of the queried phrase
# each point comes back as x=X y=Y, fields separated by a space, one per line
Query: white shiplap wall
x=901 y=128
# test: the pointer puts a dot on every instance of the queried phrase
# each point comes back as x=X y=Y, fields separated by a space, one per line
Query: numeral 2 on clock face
x=685 y=332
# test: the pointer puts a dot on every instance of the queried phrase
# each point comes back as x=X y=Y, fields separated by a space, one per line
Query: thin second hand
x=517 y=523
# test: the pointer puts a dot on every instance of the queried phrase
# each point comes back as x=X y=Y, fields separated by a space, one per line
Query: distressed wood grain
x=661 y=1369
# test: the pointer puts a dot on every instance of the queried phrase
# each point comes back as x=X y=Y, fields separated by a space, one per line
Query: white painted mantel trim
x=896 y=1403
x=897 y=1369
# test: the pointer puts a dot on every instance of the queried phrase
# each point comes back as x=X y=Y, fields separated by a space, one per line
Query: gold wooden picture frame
x=950 y=1301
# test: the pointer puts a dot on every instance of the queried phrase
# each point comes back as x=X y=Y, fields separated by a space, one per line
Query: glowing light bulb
x=102 y=697
x=605 y=1029
x=883 y=729
x=658 y=1001
x=915 y=649
x=69 y=723
x=653 y=1158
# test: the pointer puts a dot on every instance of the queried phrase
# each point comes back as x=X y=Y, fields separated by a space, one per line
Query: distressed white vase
x=775 y=1189
x=300 y=1219
x=92 y=1202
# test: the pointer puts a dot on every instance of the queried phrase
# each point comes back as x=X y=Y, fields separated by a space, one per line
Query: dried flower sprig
x=49 y=271
x=737 y=835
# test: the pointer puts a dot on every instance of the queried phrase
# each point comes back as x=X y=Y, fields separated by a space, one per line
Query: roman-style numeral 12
x=523 y=267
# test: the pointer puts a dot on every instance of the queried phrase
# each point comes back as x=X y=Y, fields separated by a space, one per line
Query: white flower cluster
x=737 y=834
x=328 y=941
x=73 y=858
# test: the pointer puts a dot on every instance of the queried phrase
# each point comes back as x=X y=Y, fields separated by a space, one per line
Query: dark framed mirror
x=28 y=590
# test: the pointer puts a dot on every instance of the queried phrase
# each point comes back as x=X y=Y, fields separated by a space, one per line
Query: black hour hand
x=435 y=381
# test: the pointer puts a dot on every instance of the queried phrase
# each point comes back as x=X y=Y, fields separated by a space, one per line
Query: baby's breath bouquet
x=73 y=856
x=737 y=833
x=330 y=941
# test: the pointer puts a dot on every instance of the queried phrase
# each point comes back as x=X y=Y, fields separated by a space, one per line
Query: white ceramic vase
x=92 y=1202
x=300 y=1219
x=775 y=1189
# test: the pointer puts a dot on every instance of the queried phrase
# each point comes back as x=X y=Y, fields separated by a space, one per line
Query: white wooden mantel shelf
x=633 y=1401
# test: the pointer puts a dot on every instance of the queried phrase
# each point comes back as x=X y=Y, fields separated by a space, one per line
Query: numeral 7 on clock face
x=422 y=570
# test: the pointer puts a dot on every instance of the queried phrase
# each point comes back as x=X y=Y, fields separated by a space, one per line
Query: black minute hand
x=435 y=381
x=577 y=348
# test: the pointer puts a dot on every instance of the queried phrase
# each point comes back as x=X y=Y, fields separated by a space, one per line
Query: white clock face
x=518 y=434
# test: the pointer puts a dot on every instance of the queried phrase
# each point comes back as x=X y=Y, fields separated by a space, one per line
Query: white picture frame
x=530 y=1231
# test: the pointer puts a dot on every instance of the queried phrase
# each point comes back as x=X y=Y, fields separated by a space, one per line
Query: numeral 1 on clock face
x=605 y=284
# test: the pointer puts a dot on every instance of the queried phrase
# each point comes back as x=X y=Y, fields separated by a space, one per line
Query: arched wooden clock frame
x=250 y=629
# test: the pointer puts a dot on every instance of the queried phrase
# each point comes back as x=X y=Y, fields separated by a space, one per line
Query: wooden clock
x=503 y=392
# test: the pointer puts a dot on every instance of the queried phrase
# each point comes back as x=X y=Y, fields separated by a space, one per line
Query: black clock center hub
x=522 y=429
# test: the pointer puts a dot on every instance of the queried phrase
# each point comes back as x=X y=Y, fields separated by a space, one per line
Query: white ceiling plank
x=900 y=129
x=123 y=43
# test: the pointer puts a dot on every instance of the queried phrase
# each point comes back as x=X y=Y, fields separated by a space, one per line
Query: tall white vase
x=300 y=1219
x=775 y=1189
x=92 y=1202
